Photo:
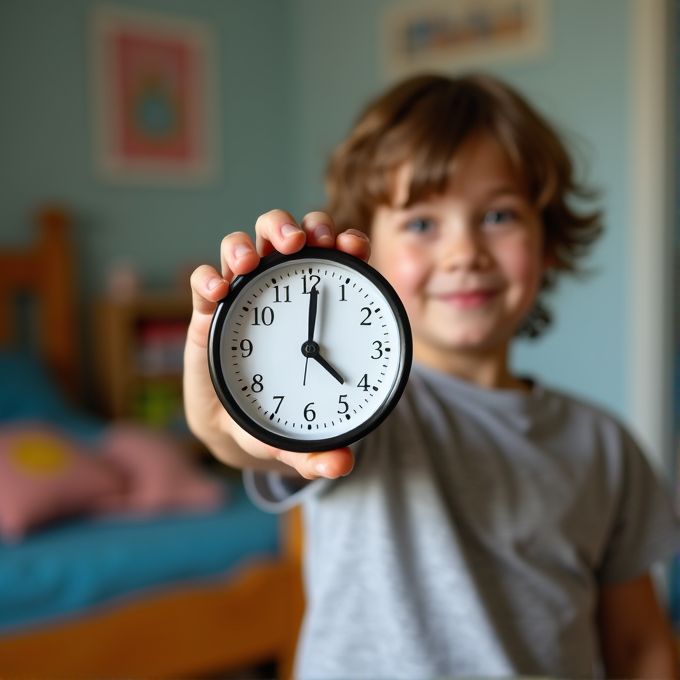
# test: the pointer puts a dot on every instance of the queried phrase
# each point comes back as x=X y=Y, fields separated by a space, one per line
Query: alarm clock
x=310 y=351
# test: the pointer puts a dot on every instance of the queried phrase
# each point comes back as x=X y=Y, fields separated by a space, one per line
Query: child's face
x=467 y=264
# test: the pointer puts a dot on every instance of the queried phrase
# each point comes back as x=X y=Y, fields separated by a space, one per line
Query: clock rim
x=279 y=441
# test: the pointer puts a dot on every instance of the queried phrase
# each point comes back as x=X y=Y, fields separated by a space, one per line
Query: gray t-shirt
x=472 y=536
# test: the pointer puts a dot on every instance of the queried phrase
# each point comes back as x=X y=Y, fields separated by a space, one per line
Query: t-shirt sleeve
x=645 y=528
x=273 y=492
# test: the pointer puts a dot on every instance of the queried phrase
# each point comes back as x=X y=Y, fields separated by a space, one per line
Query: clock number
x=287 y=297
x=342 y=297
x=364 y=382
x=246 y=348
x=267 y=316
x=278 y=405
x=366 y=321
x=343 y=403
x=304 y=283
x=309 y=413
x=378 y=348
x=257 y=385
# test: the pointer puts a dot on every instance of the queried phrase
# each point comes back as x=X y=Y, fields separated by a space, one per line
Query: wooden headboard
x=44 y=274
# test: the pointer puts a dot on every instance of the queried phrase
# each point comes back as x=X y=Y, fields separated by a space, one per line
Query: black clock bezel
x=327 y=443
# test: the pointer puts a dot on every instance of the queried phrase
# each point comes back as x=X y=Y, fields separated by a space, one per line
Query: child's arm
x=636 y=639
x=207 y=419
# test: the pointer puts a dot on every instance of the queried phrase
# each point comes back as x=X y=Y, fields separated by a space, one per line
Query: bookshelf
x=140 y=345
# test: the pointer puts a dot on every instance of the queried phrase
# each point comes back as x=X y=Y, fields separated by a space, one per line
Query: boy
x=490 y=527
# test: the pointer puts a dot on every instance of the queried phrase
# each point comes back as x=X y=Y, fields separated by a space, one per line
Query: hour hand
x=319 y=359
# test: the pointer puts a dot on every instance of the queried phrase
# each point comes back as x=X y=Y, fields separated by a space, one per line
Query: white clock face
x=311 y=349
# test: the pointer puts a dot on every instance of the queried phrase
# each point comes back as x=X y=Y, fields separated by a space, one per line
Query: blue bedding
x=27 y=392
x=60 y=570
x=65 y=568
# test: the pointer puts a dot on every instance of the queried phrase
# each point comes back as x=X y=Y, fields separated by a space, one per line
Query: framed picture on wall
x=154 y=97
x=446 y=36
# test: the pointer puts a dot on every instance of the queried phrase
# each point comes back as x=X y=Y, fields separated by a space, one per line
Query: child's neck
x=483 y=368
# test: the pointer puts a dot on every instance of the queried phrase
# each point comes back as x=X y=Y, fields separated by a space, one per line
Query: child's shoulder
x=541 y=410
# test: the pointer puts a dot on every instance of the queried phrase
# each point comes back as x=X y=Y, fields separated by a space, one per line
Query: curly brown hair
x=424 y=121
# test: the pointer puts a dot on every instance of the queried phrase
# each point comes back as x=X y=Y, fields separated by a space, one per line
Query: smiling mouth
x=467 y=299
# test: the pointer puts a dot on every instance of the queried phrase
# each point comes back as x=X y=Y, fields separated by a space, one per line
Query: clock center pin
x=310 y=348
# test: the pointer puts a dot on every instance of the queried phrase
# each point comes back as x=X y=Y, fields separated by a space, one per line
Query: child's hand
x=276 y=230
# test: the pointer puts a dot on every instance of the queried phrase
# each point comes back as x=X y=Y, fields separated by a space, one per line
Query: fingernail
x=320 y=469
x=214 y=282
x=357 y=233
x=289 y=230
x=322 y=231
x=242 y=250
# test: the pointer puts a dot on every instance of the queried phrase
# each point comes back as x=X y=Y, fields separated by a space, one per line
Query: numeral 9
x=246 y=348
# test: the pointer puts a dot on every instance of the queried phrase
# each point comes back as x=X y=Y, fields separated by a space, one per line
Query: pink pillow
x=45 y=475
x=161 y=474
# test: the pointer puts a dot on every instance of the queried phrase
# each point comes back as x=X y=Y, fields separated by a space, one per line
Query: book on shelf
x=159 y=347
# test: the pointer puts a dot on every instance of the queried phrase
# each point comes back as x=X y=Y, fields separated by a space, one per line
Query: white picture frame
x=456 y=35
x=154 y=97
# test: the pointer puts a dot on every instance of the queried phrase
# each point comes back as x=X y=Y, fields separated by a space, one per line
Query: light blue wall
x=581 y=83
x=45 y=138
x=293 y=75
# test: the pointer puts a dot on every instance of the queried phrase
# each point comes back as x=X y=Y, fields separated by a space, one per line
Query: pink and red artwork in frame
x=154 y=97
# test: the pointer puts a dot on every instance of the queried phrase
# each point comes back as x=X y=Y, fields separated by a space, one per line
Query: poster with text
x=446 y=36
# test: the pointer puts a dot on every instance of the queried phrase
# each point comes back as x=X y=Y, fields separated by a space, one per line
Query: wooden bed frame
x=250 y=618
x=44 y=272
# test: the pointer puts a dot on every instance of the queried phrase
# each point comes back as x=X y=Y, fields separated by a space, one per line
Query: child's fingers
x=277 y=230
x=319 y=229
x=207 y=287
x=238 y=255
x=355 y=243
x=330 y=464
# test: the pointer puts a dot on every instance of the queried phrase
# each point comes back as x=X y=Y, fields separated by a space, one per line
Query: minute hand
x=313 y=300
x=319 y=359
x=311 y=322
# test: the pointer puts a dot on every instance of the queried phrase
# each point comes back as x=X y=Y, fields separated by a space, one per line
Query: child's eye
x=420 y=226
x=498 y=216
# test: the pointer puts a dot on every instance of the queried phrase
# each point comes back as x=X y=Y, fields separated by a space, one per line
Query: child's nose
x=463 y=248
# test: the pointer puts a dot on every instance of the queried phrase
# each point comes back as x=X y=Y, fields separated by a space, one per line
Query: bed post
x=58 y=325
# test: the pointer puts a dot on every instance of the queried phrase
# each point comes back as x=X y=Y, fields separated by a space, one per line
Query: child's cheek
x=526 y=266
x=407 y=271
